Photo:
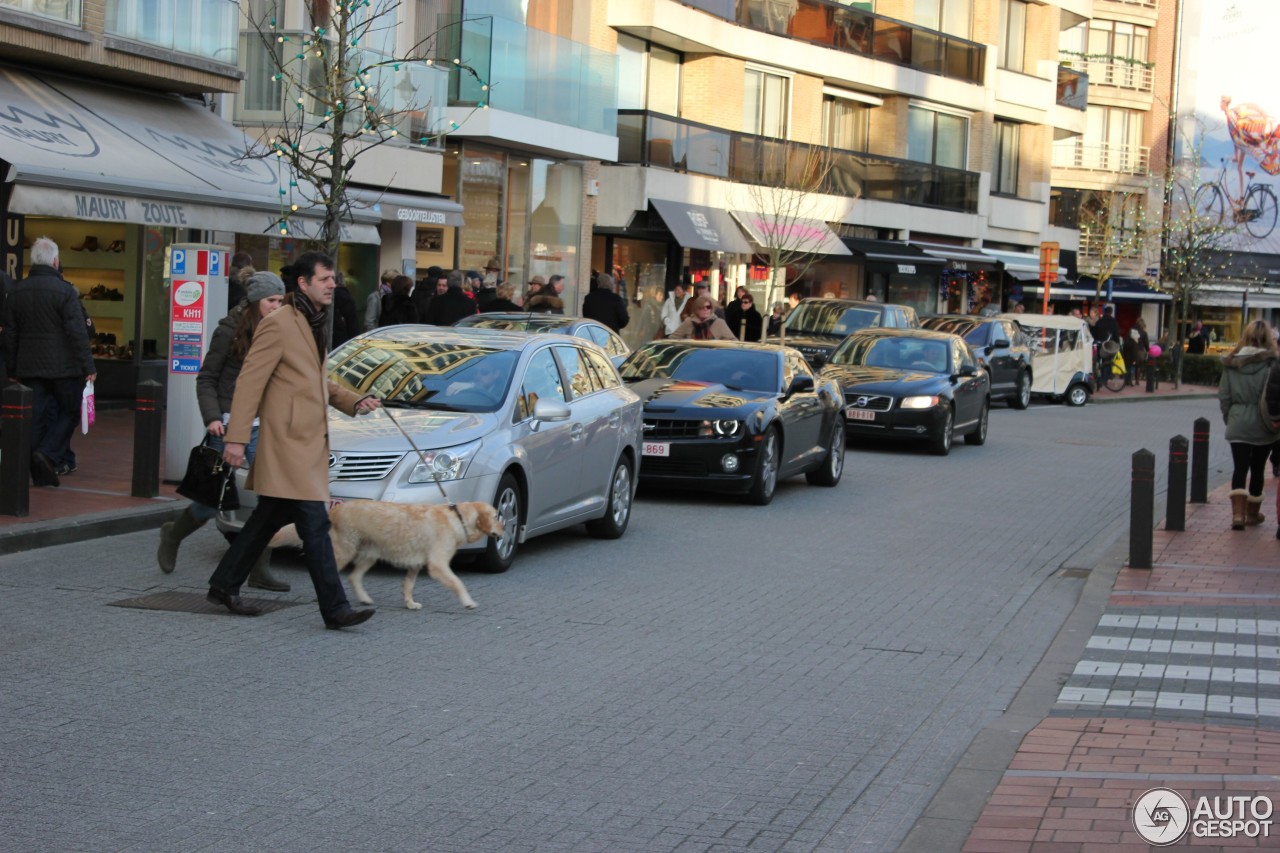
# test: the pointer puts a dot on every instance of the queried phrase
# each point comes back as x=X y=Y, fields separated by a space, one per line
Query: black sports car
x=911 y=384
x=817 y=325
x=734 y=417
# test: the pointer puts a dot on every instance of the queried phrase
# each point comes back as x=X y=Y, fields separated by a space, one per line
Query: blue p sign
x=178 y=262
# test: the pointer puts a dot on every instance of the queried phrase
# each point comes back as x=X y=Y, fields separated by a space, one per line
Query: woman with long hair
x=1244 y=376
x=215 y=386
x=398 y=305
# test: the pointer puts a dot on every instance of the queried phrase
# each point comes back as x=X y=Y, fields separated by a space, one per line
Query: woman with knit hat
x=215 y=386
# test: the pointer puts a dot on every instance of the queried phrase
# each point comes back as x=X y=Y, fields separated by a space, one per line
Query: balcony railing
x=832 y=24
x=529 y=72
x=651 y=139
x=1121 y=75
x=1121 y=159
x=198 y=27
x=1073 y=88
x=1093 y=244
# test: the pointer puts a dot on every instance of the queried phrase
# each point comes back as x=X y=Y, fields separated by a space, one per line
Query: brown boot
x=260 y=575
x=1238 y=499
x=1253 y=511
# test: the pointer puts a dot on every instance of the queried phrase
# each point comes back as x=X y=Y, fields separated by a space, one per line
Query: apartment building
x=940 y=117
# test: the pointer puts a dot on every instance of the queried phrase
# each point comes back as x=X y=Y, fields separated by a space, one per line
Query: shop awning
x=98 y=153
x=1145 y=294
x=1024 y=266
x=1228 y=296
x=791 y=233
x=892 y=257
x=959 y=257
x=405 y=207
x=697 y=227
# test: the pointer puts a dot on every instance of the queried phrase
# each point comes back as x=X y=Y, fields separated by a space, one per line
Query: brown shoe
x=231 y=602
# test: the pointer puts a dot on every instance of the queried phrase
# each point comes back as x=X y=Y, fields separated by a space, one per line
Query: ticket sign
x=186 y=324
x=210 y=262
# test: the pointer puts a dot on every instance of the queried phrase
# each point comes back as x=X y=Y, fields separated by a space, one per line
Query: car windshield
x=739 y=370
x=446 y=377
x=894 y=353
x=523 y=323
x=830 y=318
x=973 y=331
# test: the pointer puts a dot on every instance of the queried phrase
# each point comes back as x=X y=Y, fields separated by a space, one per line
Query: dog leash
x=435 y=476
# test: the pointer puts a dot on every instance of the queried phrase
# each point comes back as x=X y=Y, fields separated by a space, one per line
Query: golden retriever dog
x=408 y=536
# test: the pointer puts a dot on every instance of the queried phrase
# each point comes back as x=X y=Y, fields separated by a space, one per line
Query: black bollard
x=1200 y=462
x=1142 y=497
x=1175 y=513
x=15 y=450
x=1153 y=380
x=146 y=439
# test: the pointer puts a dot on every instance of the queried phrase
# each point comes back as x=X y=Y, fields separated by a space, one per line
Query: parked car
x=1061 y=356
x=911 y=384
x=579 y=327
x=815 y=326
x=1000 y=348
x=541 y=426
x=734 y=417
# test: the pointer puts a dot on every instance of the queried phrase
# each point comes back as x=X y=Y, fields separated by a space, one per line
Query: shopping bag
x=87 y=411
x=209 y=479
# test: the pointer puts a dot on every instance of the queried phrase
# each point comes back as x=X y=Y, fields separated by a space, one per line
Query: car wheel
x=501 y=552
x=832 y=466
x=1077 y=395
x=1023 y=398
x=618 y=514
x=979 y=435
x=766 y=479
x=942 y=441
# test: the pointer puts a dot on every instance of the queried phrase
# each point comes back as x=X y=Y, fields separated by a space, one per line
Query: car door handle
x=614 y=420
x=575 y=432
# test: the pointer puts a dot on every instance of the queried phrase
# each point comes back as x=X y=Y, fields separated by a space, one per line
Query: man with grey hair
x=451 y=306
x=46 y=347
x=604 y=305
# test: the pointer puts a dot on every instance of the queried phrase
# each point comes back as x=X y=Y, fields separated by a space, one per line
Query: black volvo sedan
x=734 y=417
x=912 y=384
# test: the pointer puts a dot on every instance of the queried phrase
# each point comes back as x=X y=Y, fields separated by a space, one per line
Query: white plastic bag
x=88 y=412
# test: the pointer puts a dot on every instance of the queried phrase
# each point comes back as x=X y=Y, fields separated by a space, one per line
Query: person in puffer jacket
x=1245 y=371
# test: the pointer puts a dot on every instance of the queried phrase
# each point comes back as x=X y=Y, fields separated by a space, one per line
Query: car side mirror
x=549 y=410
x=967 y=370
x=799 y=385
x=1001 y=344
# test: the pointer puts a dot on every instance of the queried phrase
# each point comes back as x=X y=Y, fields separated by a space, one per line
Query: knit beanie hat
x=264 y=284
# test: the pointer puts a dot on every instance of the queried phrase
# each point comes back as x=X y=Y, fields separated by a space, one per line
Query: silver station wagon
x=539 y=425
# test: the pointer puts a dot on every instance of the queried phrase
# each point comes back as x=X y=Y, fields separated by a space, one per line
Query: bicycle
x=1110 y=372
x=1257 y=211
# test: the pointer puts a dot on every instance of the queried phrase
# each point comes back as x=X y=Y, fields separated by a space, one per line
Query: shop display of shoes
x=90 y=244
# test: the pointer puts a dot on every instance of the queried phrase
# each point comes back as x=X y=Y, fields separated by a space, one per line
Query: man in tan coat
x=283 y=384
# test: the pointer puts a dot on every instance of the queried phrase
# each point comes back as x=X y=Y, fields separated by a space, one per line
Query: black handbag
x=209 y=479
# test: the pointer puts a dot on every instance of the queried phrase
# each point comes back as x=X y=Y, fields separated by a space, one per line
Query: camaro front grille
x=361 y=466
x=661 y=430
x=657 y=466
x=870 y=402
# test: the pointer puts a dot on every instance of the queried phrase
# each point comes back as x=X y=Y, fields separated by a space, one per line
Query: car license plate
x=655 y=448
x=859 y=414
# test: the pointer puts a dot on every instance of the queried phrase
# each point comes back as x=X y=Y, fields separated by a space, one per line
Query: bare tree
x=1115 y=227
x=344 y=90
x=793 y=177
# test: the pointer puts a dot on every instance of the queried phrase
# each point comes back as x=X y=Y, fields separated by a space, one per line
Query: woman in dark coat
x=745 y=317
x=398 y=306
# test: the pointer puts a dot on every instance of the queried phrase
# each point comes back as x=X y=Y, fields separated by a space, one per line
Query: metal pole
x=1175 y=514
x=15 y=450
x=1200 y=462
x=1142 y=509
x=146 y=439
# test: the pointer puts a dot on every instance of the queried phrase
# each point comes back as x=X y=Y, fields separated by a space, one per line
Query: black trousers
x=312 y=520
x=1249 y=462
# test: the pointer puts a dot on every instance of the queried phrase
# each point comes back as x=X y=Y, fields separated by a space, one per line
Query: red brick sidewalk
x=1072 y=785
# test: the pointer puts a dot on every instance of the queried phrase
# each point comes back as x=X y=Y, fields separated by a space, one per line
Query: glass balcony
x=205 y=28
x=832 y=24
x=1073 y=88
x=533 y=73
x=59 y=10
x=651 y=139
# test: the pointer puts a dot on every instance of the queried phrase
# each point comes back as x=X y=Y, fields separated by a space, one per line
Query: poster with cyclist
x=1233 y=113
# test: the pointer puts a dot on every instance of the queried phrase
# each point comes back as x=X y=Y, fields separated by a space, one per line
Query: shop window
x=62 y=10
x=200 y=27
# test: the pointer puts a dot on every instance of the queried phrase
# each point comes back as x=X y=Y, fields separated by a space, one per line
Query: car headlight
x=719 y=428
x=448 y=463
x=919 y=402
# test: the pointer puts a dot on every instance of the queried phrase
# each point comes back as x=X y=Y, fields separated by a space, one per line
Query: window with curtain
x=200 y=27
x=844 y=123
x=765 y=103
x=948 y=16
x=648 y=76
x=1013 y=34
x=1004 y=171
x=62 y=10
x=937 y=137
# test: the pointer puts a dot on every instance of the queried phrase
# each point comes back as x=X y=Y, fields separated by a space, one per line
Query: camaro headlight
x=919 y=402
x=719 y=428
x=447 y=463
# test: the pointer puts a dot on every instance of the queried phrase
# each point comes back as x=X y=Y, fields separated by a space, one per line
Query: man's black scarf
x=317 y=318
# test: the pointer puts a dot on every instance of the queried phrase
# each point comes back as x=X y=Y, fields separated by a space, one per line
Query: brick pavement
x=1178 y=687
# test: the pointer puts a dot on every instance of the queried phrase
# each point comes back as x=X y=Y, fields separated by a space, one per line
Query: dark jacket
x=499 y=306
x=753 y=321
x=449 y=307
x=45 y=336
x=1197 y=341
x=216 y=382
x=484 y=296
x=1106 y=329
x=397 y=310
x=545 y=303
x=346 y=319
x=606 y=307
